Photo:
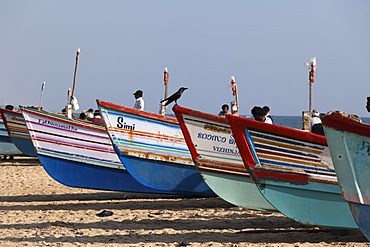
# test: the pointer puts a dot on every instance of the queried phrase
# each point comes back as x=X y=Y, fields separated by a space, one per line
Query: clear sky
x=125 y=45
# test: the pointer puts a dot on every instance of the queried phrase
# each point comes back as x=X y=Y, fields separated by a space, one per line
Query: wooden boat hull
x=82 y=175
x=6 y=145
x=303 y=189
x=349 y=143
x=18 y=133
x=217 y=159
x=313 y=203
x=361 y=214
x=145 y=172
x=238 y=190
x=153 y=149
x=78 y=154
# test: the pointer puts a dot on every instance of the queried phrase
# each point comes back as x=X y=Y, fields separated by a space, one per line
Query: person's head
x=9 y=107
x=96 y=113
x=90 y=110
x=315 y=113
x=225 y=108
x=83 y=115
x=266 y=109
x=138 y=94
x=258 y=113
x=368 y=104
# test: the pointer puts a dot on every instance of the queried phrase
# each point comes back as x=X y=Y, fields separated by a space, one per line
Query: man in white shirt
x=139 y=102
x=268 y=118
x=316 y=125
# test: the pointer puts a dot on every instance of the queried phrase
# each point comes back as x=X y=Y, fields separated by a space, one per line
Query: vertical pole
x=69 y=105
x=75 y=73
x=166 y=75
x=41 y=94
x=235 y=103
x=311 y=79
x=310 y=98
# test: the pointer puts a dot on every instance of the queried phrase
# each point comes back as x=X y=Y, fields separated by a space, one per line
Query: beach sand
x=38 y=211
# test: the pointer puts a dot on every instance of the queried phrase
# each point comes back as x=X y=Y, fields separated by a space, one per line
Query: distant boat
x=78 y=153
x=217 y=158
x=153 y=149
x=349 y=143
x=294 y=172
x=7 y=147
x=17 y=131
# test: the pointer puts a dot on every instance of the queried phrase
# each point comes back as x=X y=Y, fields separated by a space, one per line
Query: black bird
x=175 y=96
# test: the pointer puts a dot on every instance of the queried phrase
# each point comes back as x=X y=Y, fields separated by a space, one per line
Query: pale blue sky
x=125 y=45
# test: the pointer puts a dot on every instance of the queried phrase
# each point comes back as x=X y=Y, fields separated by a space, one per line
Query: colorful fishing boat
x=215 y=154
x=153 y=149
x=78 y=153
x=294 y=172
x=349 y=143
x=7 y=147
x=17 y=131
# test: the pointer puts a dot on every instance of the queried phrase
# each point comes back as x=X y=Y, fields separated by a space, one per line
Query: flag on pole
x=233 y=85
x=43 y=86
x=78 y=54
x=312 y=66
x=165 y=76
x=312 y=74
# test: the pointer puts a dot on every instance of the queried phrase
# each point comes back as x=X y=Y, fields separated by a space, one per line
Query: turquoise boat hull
x=238 y=190
x=349 y=143
x=215 y=155
x=295 y=176
x=6 y=145
x=314 y=203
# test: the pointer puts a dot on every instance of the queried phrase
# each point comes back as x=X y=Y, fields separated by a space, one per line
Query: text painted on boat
x=217 y=129
x=57 y=125
x=220 y=139
x=123 y=125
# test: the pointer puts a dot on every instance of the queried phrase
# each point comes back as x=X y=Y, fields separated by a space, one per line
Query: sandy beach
x=38 y=211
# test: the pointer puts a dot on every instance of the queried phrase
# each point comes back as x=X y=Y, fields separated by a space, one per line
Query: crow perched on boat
x=175 y=96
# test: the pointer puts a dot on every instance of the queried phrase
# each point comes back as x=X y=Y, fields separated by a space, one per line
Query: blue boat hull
x=361 y=213
x=25 y=146
x=180 y=179
x=80 y=175
x=7 y=147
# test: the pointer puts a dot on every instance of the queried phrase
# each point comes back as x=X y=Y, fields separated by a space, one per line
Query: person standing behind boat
x=224 y=110
x=316 y=125
x=258 y=113
x=139 y=102
x=97 y=118
x=90 y=114
x=368 y=104
x=268 y=118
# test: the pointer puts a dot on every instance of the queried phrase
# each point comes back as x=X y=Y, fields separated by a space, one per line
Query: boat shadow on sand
x=147 y=218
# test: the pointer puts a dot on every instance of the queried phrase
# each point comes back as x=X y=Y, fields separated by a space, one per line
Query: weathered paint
x=305 y=192
x=78 y=153
x=349 y=143
x=153 y=149
x=18 y=132
x=216 y=156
